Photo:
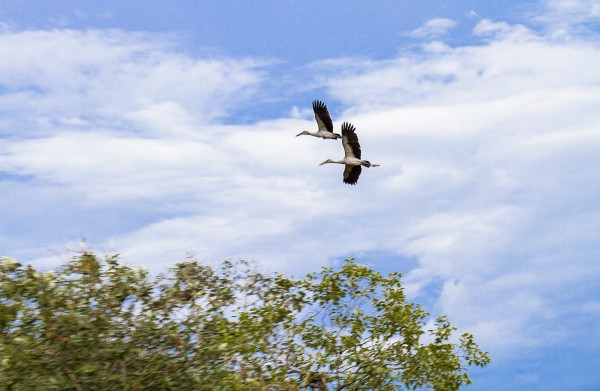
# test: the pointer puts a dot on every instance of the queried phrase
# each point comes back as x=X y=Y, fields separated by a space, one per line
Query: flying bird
x=351 y=155
x=324 y=121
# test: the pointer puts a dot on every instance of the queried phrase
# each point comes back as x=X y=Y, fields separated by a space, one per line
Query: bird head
x=301 y=133
x=327 y=161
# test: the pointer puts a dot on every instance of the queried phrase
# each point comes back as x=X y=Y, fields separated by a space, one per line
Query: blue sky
x=161 y=131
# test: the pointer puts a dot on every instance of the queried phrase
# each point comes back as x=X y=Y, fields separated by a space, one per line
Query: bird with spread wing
x=352 y=155
x=323 y=121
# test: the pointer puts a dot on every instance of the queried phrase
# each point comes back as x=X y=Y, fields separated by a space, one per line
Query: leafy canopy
x=97 y=324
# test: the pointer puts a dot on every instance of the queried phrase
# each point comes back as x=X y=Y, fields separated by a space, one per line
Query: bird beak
x=375 y=165
x=323 y=163
x=299 y=134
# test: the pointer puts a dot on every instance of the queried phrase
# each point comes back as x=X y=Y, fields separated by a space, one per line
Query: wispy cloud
x=566 y=19
x=434 y=28
x=489 y=28
x=572 y=11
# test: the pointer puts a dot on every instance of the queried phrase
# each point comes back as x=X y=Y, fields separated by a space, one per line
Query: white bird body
x=350 y=161
x=320 y=134
x=352 y=155
x=324 y=123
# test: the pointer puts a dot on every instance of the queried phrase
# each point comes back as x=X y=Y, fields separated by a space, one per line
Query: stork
x=324 y=121
x=351 y=155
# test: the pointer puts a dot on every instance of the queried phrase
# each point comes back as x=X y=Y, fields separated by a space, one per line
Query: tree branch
x=73 y=379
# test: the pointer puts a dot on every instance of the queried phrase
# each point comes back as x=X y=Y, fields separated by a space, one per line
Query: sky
x=167 y=131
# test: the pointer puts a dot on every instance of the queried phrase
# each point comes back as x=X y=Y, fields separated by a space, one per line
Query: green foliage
x=96 y=324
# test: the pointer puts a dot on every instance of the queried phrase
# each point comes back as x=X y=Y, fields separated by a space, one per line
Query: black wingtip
x=347 y=126
x=317 y=104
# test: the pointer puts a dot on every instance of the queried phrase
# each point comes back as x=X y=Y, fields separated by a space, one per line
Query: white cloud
x=488 y=27
x=104 y=168
x=472 y=14
x=434 y=28
x=576 y=10
x=508 y=66
x=106 y=76
x=567 y=17
x=491 y=176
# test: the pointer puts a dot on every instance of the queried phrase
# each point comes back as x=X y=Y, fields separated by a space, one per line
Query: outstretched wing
x=322 y=116
x=351 y=174
x=350 y=140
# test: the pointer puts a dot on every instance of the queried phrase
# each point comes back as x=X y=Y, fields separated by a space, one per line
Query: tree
x=97 y=324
